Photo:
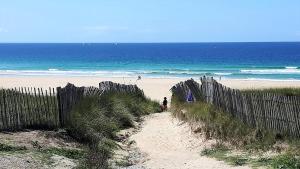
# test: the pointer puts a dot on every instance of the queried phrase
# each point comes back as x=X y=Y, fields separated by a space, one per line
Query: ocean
x=273 y=61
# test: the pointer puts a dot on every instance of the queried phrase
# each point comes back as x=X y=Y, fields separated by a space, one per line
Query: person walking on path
x=165 y=104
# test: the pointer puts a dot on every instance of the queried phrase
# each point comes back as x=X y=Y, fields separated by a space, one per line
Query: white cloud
x=104 y=28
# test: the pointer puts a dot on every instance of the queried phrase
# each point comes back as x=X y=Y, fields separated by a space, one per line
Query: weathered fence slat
x=275 y=112
x=22 y=108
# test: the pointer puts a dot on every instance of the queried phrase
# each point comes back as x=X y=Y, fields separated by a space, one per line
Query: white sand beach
x=155 y=88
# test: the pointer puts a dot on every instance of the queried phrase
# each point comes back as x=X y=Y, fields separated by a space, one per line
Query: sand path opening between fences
x=169 y=144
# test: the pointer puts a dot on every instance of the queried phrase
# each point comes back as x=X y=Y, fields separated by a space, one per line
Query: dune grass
x=280 y=91
x=214 y=123
x=9 y=148
x=221 y=152
x=222 y=126
x=95 y=121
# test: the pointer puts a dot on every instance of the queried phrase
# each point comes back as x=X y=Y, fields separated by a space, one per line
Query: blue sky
x=149 y=20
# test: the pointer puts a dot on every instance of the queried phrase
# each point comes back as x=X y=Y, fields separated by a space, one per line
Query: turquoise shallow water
x=229 y=60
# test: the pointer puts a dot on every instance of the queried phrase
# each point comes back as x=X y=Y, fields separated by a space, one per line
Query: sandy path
x=170 y=145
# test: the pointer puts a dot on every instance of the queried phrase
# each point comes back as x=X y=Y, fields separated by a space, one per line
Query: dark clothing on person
x=165 y=102
x=164 y=107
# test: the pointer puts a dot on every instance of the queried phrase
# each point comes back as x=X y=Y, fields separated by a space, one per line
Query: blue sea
x=272 y=61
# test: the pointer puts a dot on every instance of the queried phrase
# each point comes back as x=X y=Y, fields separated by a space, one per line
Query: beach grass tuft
x=214 y=123
x=95 y=121
x=222 y=153
x=280 y=91
x=10 y=148
x=222 y=126
x=69 y=153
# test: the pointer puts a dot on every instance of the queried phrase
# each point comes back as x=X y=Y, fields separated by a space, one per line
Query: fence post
x=60 y=115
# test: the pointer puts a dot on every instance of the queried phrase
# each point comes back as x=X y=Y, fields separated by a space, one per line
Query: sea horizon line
x=149 y=42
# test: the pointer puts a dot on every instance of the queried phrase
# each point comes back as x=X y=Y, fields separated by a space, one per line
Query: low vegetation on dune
x=281 y=91
x=286 y=160
x=95 y=121
x=233 y=135
x=220 y=125
x=40 y=149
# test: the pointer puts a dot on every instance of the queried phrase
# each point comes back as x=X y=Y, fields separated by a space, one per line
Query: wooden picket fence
x=180 y=90
x=263 y=110
x=109 y=86
x=25 y=108
x=69 y=96
x=28 y=108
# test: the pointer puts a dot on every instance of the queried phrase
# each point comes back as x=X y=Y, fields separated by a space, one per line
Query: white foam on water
x=272 y=71
x=151 y=73
x=223 y=74
x=291 y=67
x=265 y=79
x=65 y=73
x=53 y=69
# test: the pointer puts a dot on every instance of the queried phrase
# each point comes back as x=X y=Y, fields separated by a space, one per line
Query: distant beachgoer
x=164 y=107
x=190 y=97
x=139 y=78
